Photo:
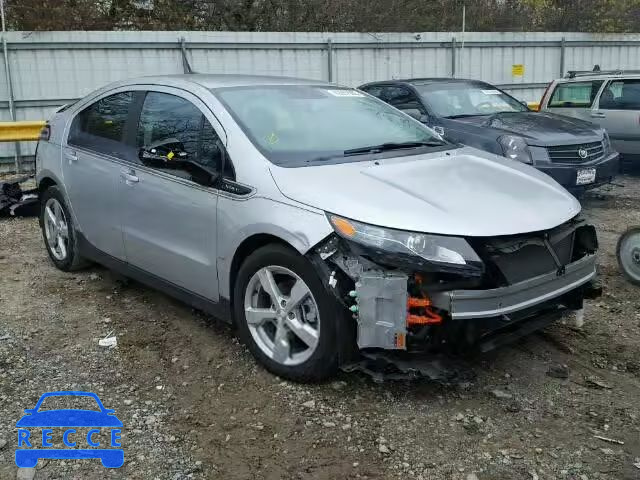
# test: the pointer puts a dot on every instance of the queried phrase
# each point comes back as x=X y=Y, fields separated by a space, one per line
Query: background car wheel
x=285 y=316
x=628 y=253
x=58 y=231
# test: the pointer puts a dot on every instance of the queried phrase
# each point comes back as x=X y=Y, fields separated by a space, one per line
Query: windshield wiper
x=325 y=158
x=392 y=146
x=465 y=115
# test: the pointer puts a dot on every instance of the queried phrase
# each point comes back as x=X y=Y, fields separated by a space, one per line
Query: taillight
x=544 y=96
x=45 y=133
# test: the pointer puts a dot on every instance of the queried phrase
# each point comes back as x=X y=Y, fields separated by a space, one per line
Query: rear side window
x=101 y=126
x=621 y=95
x=374 y=90
x=106 y=118
x=400 y=97
x=403 y=99
x=575 y=94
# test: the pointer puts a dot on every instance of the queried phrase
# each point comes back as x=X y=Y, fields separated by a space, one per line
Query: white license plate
x=586 y=176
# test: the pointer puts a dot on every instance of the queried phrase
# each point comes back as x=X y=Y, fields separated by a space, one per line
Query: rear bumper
x=477 y=304
x=566 y=175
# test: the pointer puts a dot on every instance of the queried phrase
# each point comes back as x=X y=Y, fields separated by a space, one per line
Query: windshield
x=460 y=99
x=295 y=124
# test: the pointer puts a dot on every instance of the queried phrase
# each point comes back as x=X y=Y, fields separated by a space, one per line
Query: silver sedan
x=318 y=219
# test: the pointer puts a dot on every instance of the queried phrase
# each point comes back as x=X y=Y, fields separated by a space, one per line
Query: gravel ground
x=195 y=405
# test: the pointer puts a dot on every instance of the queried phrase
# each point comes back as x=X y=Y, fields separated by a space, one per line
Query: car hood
x=69 y=418
x=463 y=192
x=540 y=129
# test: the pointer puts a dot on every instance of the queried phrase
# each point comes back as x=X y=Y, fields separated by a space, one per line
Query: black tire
x=324 y=361
x=630 y=232
x=73 y=260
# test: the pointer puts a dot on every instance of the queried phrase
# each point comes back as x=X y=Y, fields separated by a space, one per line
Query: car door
x=575 y=99
x=95 y=146
x=169 y=213
x=618 y=111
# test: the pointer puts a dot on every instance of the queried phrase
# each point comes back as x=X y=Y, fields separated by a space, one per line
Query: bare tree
x=326 y=15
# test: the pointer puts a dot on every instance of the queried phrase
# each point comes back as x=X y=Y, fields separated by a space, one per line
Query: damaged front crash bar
x=384 y=365
x=382 y=310
x=376 y=298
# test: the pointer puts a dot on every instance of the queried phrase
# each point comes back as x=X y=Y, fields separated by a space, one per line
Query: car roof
x=601 y=76
x=425 y=81
x=214 y=81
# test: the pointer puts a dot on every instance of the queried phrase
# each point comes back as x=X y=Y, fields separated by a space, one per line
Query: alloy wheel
x=56 y=229
x=629 y=255
x=282 y=315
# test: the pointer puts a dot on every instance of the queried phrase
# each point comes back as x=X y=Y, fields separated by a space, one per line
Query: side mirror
x=168 y=151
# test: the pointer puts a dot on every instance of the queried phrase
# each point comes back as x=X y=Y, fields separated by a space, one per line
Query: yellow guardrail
x=17 y=131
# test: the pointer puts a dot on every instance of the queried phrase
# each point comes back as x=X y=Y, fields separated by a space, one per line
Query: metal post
x=329 y=60
x=453 y=57
x=464 y=29
x=186 y=66
x=4 y=26
x=7 y=71
x=562 y=55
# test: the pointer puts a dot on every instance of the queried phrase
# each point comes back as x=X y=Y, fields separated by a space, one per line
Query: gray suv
x=318 y=219
x=610 y=99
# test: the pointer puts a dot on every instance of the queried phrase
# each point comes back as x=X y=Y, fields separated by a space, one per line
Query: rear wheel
x=628 y=253
x=58 y=232
x=286 y=317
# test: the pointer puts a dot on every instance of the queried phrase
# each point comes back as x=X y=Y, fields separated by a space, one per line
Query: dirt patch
x=195 y=405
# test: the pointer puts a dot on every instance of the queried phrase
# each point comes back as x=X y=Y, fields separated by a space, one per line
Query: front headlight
x=515 y=148
x=446 y=251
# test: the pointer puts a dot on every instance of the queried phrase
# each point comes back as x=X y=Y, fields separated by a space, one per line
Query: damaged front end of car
x=417 y=292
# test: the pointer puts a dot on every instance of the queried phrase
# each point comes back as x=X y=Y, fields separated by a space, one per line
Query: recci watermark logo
x=69 y=433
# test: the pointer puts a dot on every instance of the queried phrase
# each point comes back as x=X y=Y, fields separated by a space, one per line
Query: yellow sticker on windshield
x=170 y=155
x=272 y=138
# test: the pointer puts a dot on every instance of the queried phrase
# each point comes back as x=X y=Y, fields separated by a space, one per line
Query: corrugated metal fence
x=48 y=69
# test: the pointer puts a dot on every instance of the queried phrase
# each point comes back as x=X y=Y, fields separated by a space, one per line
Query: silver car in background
x=610 y=99
x=318 y=219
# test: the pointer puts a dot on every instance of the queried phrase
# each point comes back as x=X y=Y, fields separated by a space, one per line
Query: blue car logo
x=69 y=419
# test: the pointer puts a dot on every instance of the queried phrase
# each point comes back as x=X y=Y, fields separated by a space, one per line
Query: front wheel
x=58 y=231
x=628 y=253
x=286 y=317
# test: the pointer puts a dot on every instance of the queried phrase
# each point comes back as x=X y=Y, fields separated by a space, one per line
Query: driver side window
x=175 y=137
x=402 y=98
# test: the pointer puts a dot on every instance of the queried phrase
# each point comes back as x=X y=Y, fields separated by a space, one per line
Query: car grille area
x=513 y=259
x=579 y=153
